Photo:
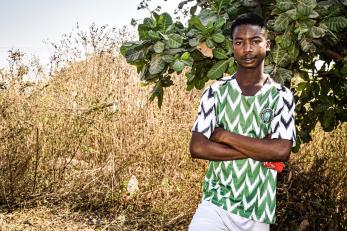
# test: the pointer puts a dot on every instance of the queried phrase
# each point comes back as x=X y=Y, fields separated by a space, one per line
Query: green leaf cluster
x=303 y=34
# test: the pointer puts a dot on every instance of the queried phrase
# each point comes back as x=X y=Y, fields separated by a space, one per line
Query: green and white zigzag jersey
x=245 y=187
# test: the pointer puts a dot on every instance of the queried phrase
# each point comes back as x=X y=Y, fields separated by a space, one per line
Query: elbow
x=282 y=151
x=197 y=146
x=194 y=150
x=283 y=155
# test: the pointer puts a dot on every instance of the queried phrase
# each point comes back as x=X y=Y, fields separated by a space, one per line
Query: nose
x=247 y=47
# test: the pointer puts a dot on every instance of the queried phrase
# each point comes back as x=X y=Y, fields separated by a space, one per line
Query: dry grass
x=75 y=140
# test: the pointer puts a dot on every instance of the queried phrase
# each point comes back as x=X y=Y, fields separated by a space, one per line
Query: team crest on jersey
x=267 y=115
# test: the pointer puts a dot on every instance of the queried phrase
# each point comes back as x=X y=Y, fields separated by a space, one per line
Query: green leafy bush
x=302 y=33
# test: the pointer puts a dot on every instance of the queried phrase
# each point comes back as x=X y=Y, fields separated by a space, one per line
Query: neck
x=250 y=77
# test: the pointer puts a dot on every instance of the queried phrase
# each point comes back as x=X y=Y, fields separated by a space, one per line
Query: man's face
x=250 y=45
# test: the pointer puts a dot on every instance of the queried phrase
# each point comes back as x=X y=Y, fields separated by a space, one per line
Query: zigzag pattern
x=283 y=124
x=244 y=187
x=206 y=120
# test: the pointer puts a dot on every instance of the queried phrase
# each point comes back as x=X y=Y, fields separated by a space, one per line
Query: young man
x=243 y=121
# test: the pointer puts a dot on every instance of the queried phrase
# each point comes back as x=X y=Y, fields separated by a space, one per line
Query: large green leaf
x=222 y=4
x=284 y=40
x=127 y=46
x=227 y=45
x=317 y=32
x=135 y=56
x=168 y=58
x=153 y=35
x=280 y=57
x=174 y=51
x=196 y=22
x=157 y=92
x=164 y=22
x=185 y=56
x=281 y=22
x=193 y=42
x=305 y=7
x=188 y=62
x=307 y=46
x=336 y=23
x=293 y=52
x=178 y=66
x=200 y=84
x=193 y=9
x=301 y=30
x=234 y=9
x=293 y=14
x=143 y=32
x=143 y=72
x=219 y=22
x=174 y=41
x=192 y=33
x=149 y=23
x=207 y=15
x=280 y=75
x=159 y=47
x=209 y=43
x=219 y=53
x=314 y=14
x=218 y=37
x=327 y=120
x=134 y=51
x=157 y=64
x=218 y=69
x=232 y=67
x=285 y=5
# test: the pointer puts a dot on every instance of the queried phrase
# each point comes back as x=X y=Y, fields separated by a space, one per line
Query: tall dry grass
x=80 y=134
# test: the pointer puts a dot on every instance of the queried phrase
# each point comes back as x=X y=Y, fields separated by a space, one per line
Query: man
x=243 y=122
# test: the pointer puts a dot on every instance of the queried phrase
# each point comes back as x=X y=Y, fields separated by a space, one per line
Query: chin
x=252 y=65
x=249 y=66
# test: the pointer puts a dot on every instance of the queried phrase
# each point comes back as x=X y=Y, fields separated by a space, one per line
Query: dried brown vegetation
x=77 y=137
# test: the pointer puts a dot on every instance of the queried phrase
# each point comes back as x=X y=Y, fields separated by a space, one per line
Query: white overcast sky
x=25 y=24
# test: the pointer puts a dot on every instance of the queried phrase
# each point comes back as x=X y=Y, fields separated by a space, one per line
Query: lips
x=248 y=59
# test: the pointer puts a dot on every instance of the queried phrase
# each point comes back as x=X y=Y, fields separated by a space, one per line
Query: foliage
x=302 y=33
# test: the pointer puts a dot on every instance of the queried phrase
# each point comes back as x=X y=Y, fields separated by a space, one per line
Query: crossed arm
x=224 y=145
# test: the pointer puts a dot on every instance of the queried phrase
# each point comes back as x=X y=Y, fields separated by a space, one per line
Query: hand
x=218 y=135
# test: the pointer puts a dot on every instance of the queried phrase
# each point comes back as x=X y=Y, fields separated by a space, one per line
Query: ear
x=268 y=43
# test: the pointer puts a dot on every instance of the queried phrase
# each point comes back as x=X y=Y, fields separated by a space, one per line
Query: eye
x=237 y=43
x=257 y=41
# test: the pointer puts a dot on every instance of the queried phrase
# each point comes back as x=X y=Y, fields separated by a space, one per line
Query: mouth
x=248 y=59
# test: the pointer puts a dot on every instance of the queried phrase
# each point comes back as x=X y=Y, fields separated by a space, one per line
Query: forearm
x=203 y=148
x=259 y=149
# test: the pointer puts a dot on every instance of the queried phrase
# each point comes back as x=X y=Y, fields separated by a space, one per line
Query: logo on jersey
x=267 y=115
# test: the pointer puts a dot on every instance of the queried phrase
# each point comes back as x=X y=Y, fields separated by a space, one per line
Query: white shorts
x=210 y=217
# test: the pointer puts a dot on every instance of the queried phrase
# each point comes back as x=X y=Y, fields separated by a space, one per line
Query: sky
x=26 y=24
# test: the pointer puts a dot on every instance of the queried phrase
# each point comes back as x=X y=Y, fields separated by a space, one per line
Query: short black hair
x=248 y=19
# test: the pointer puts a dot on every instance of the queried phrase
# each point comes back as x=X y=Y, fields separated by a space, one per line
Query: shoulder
x=210 y=90
x=286 y=97
x=283 y=91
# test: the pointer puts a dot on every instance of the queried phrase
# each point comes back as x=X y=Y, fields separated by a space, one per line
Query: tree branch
x=328 y=52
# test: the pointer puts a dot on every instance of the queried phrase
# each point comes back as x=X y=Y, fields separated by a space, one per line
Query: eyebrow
x=255 y=37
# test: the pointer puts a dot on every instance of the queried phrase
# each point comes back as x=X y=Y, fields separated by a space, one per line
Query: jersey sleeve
x=283 y=123
x=206 y=118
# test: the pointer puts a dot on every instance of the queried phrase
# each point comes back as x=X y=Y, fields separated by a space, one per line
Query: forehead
x=248 y=31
